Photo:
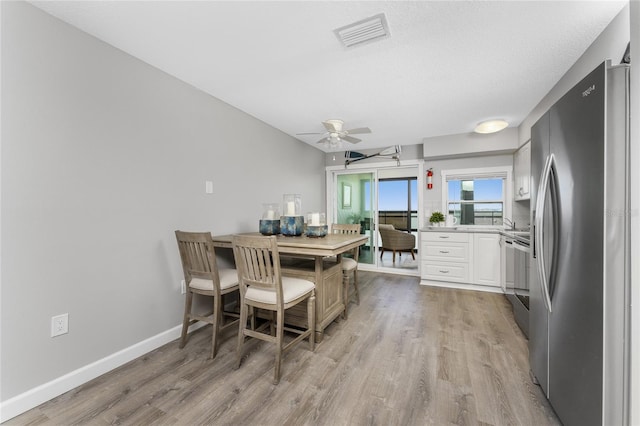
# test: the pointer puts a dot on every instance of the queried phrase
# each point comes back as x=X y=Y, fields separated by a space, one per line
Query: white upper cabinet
x=522 y=171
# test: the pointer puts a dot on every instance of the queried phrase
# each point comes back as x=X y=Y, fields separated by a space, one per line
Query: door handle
x=543 y=186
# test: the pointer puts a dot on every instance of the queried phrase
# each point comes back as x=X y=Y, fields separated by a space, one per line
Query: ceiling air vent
x=364 y=31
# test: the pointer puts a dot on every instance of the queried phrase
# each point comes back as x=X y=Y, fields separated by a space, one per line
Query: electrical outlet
x=183 y=287
x=59 y=325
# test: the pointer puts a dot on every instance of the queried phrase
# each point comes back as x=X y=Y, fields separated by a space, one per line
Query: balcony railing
x=400 y=219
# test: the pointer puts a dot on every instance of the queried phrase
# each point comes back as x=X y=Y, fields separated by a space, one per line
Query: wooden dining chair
x=262 y=286
x=202 y=276
x=349 y=265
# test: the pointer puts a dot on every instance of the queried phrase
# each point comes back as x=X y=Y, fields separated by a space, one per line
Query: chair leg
x=355 y=285
x=345 y=294
x=252 y=314
x=243 y=325
x=279 y=340
x=216 y=326
x=311 y=320
x=381 y=252
x=394 y=256
x=185 y=321
x=413 y=254
x=272 y=325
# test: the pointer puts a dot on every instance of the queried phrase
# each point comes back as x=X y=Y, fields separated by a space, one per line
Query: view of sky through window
x=483 y=190
x=393 y=195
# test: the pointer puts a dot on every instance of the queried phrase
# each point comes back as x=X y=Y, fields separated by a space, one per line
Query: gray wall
x=103 y=157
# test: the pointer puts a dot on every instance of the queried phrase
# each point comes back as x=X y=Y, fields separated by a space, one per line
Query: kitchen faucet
x=509 y=223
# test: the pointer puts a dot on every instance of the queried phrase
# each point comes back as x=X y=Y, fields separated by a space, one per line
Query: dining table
x=317 y=259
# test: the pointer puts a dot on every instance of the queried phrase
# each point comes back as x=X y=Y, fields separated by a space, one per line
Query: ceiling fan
x=335 y=133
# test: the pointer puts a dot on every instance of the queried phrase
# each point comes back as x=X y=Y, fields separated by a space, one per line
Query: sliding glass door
x=398 y=203
x=355 y=201
x=374 y=194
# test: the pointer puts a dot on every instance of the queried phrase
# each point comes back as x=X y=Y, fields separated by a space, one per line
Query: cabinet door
x=486 y=259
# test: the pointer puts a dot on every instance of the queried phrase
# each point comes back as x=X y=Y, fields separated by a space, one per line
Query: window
x=477 y=197
x=398 y=203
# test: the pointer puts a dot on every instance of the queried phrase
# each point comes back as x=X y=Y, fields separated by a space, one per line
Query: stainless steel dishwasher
x=518 y=293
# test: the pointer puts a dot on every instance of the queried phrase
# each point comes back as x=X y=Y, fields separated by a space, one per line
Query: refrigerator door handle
x=539 y=222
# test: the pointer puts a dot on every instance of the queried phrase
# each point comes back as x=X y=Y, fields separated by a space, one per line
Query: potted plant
x=436 y=218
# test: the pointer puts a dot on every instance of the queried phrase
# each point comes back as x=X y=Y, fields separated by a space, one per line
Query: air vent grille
x=364 y=31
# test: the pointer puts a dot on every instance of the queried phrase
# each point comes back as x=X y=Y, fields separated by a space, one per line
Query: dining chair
x=349 y=265
x=202 y=276
x=262 y=286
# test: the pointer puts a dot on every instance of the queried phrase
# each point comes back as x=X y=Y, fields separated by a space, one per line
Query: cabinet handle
x=443 y=251
x=444 y=272
x=444 y=236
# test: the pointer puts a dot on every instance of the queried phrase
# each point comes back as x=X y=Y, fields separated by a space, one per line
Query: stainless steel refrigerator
x=580 y=261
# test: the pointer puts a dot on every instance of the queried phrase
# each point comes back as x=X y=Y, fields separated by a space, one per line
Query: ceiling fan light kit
x=491 y=126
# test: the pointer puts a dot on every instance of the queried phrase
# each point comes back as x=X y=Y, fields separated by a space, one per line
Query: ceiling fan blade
x=330 y=126
x=359 y=130
x=310 y=133
x=350 y=139
x=323 y=140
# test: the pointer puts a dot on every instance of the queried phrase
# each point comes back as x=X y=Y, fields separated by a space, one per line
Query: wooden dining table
x=317 y=260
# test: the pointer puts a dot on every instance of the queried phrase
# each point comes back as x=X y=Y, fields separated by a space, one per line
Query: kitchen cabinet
x=486 y=259
x=446 y=256
x=473 y=259
x=522 y=172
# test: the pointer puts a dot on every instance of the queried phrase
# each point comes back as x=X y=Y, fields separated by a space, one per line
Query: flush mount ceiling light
x=490 y=126
x=363 y=31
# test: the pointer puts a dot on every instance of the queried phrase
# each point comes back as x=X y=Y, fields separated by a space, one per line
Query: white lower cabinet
x=486 y=263
x=446 y=256
x=461 y=257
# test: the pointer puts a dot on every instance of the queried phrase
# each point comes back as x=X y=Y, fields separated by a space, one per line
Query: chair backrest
x=258 y=263
x=198 y=257
x=386 y=234
x=347 y=228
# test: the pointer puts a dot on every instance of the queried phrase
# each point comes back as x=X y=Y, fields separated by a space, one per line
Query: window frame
x=499 y=172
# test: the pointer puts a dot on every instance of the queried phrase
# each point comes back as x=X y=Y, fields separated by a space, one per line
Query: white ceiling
x=446 y=66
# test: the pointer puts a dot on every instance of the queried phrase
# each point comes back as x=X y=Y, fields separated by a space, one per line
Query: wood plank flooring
x=407 y=355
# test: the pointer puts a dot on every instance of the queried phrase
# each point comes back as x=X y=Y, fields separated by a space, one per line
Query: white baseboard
x=461 y=286
x=43 y=393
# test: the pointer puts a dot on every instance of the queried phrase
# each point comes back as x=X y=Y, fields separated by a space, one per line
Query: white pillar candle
x=315 y=219
x=291 y=208
x=270 y=214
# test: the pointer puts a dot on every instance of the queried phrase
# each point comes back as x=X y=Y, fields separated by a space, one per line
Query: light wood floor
x=408 y=355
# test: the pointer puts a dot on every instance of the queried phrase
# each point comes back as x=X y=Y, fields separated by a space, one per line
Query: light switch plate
x=208 y=185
